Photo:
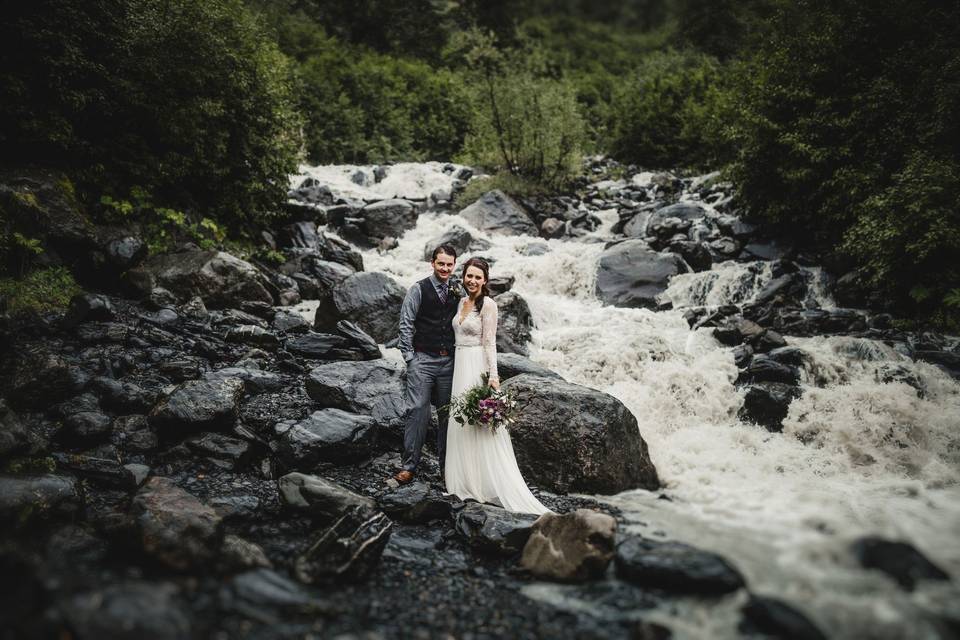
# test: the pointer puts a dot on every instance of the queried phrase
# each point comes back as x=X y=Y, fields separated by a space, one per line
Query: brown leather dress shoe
x=403 y=477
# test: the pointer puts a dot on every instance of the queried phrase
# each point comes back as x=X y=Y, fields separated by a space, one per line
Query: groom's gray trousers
x=429 y=379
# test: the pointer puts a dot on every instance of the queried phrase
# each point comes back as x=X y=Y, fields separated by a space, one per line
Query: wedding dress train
x=480 y=462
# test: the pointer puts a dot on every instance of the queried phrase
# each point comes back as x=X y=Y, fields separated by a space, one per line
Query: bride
x=479 y=462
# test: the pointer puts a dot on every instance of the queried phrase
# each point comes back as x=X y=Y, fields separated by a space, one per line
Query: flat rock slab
x=630 y=274
x=328 y=435
x=322 y=498
x=497 y=212
x=373 y=387
x=416 y=502
x=676 y=567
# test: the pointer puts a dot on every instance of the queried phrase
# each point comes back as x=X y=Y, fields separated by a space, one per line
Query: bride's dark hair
x=481 y=264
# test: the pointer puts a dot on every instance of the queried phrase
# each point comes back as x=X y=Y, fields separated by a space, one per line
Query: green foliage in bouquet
x=482 y=405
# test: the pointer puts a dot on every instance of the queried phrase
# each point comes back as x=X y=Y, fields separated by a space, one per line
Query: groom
x=427 y=344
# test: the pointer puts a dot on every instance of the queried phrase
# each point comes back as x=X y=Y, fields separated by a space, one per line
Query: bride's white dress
x=480 y=463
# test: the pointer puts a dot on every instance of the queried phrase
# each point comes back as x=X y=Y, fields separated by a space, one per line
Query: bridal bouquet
x=482 y=405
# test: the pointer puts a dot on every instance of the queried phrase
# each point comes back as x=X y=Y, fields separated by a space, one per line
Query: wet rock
x=24 y=500
x=388 y=218
x=371 y=300
x=222 y=450
x=16 y=438
x=373 y=388
x=328 y=346
x=514 y=324
x=768 y=403
x=768 y=341
x=85 y=427
x=510 y=365
x=771 y=250
x=83 y=402
x=101 y=471
x=685 y=212
x=348 y=551
x=632 y=275
x=899 y=560
x=328 y=435
x=269 y=597
x=252 y=335
x=790 y=288
x=88 y=306
x=42 y=380
x=492 y=530
x=535 y=249
x=497 y=212
x=676 y=567
x=130 y=610
x=773 y=618
x=174 y=527
x=696 y=254
x=571 y=547
x=132 y=434
x=254 y=380
x=741 y=355
x=123 y=396
x=415 y=503
x=219 y=278
x=289 y=322
x=572 y=438
x=790 y=356
x=498 y=286
x=736 y=330
x=321 y=498
x=299 y=235
x=890 y=372
x=946 y=360
x=553 y=228
x=126 y=252
x=765 y=369
x=237 y=554
x=199 y=405
x=361 y=341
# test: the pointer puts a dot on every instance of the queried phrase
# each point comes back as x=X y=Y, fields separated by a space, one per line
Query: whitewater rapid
x=856 y=457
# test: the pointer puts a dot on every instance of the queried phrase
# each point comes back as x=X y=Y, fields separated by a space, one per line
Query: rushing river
x=856 y=457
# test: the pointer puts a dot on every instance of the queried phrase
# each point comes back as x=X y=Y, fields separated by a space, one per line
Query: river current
x=856 y=457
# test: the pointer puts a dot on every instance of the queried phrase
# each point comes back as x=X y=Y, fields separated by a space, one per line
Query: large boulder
x=571 y=547
x=675 y=567
x=510 y=365
x=175 y=528
x=218 y=278
x=767 y=404
x=458 y=238
x=328 y=435
x=514 y=324
x=24 y=499
x=388 y=218
x=686 y=212
x=630 y=274
x=416 y=502
x=199 y=405
x=374 y=388
x=371 y=300
x=348 y=551
x=573 y=438
x=497 y=212
x=899 y=560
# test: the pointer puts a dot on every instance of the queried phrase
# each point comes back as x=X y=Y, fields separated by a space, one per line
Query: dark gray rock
x=416 y=502
x=85 y=427
x=237 y=554
x=498 y=286
x=676 y=567
x=632 y=275
x=362 y=342
x=102 y=471
x=767 y=404
x=252 y=335
x=514 y=324
x=16 y=437
x=374 y=388
x=388 y=218
x=572 y=438
x=199 y=405
x=492 y=530
x=370 y=300
x=572 y=547
x=220 y=279
x=322 y=499
x=328 y=435
x=299 y=235
x=891 y=372
x=123 y=396
x=222 y=450
x=775 y=619
x=790 y=356
x=497 y=212
x=458 y=238
x=132 y=434
x=289 y=322
x=86 y=307
x=174 y=527
x=765 y=369
x=126 y=252
x=686 y=212
x=269 y=597
x=254 y=380
x=26 y=499
x=42 y=380
x=771 y=250
x=899 y=560
x=348 y=551
x=696 y=254
x=510 y=365
x=350 y=343
x=130 y=610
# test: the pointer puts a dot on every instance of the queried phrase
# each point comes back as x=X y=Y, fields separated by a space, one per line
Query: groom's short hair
x=444 y=248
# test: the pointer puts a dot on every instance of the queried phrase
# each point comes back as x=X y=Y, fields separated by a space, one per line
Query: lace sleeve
x=488 y=337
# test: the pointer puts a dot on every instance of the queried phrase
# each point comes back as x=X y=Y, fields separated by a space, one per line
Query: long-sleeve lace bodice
x=479 y=330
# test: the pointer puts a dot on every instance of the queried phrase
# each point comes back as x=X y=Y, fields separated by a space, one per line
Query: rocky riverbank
x=186 y=455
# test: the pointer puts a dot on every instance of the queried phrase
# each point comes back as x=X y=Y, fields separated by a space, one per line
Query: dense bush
x=186 y=99
x=666 y=113
x=43 y=290
x=847 y=130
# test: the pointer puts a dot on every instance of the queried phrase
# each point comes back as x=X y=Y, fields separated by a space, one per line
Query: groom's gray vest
x=433 y=328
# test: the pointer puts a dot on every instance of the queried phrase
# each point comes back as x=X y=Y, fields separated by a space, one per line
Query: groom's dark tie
x=442 y=292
